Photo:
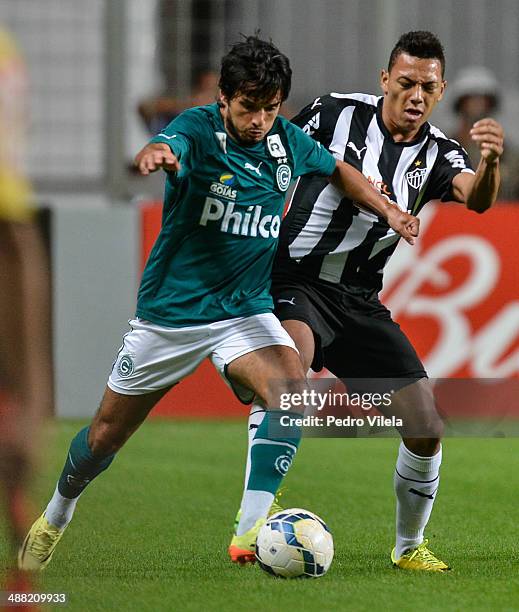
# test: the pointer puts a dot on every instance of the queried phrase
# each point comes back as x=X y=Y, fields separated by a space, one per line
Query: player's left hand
x=488 y=134
x=408 y=226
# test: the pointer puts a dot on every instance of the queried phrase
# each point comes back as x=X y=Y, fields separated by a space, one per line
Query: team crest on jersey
x=275 y=146
x=283 y=177
x=125 y=367
x=416 y=177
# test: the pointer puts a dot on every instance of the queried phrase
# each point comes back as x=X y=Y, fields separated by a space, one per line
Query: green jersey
x=221 y=218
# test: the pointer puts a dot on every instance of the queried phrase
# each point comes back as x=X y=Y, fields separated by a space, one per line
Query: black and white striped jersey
x=324 y=232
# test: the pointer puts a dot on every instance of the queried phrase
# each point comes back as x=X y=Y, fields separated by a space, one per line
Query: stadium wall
x=95 y=271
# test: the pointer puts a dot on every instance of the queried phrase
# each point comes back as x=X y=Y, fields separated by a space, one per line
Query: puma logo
x=253 y=168
x=291 y=301
x=351 y=145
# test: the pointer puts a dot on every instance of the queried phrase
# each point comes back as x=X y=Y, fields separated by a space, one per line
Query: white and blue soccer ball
x=295 y=543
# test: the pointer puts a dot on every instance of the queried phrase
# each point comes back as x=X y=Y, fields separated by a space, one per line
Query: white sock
x=253 y=502
x=416 y=482
x=60 y=510
x=254 y=505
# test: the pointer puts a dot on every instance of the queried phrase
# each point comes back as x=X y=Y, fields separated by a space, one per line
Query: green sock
x=272 y=451
x=81 y=466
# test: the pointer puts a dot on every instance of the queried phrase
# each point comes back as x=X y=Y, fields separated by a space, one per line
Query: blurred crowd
x=475 y=93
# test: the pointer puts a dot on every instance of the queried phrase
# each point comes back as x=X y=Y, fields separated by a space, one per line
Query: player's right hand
x=408 y=226
x=155 y=156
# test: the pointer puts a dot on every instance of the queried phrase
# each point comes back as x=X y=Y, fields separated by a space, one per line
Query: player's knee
x=436 y=428
x=289 y=395
x=421 y=419
x=423 y=447
x=425 y=426
x=431 y=426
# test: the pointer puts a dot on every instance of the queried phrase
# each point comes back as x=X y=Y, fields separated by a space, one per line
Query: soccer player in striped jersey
x=205 y=289
x=332 y=254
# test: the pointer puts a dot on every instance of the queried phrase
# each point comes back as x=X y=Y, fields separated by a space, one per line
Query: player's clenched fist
x=489 y=136
x=155 y=156
x=403 y=223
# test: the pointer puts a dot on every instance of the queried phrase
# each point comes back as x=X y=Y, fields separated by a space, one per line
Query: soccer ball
x=294 y=543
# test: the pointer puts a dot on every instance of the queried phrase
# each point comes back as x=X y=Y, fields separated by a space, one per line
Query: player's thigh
x=150 y=361
x=303 y=337
x=373 y=355
x=256 y=356
x=269 y=372
x=308 y=314
x=373 y=347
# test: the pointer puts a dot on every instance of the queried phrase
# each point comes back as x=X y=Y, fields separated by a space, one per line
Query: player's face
x=248 y=120
x=411 y=91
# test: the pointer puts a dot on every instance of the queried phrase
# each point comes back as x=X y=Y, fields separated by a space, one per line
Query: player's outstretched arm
x=479 y=191
x=353 y=183
x=154 y=156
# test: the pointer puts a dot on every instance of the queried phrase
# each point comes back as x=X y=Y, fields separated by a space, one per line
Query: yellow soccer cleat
x=242 y=549
x=38 y=547
x=273 y=509
x=419 y=558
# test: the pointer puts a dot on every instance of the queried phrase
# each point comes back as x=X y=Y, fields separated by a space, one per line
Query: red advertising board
x=455 y=293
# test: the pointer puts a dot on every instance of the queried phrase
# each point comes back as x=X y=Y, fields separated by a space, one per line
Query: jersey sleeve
x=452 y=159
x=316 y=119
x=185 y=136
x=310 y=157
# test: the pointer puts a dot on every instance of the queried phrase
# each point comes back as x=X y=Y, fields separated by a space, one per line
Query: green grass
x=152 y=532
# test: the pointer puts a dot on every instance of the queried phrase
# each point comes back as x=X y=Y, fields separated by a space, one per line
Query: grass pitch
x=151 y=533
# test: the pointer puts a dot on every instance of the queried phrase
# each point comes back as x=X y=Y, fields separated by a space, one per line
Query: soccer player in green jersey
x=205 y=289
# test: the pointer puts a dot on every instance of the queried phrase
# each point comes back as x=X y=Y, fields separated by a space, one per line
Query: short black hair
x=420 y=43
x=257 y=68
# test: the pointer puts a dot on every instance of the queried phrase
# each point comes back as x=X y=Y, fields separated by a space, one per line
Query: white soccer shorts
x=153 y=357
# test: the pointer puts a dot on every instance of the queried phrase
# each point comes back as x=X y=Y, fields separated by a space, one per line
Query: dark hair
x=422 y=44
x=257 y=68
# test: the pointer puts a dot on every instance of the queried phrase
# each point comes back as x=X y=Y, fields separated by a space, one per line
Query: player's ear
x=384 y=78
x=442 y=89
x=221 y=100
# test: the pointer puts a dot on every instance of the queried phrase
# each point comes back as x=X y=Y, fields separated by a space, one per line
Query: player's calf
x=271 y=453
x=81 y=467
x=91 y=452
x=417 y=471
x=269 y=373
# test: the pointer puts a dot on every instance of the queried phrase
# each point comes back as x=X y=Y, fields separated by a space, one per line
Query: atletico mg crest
x=416 y=177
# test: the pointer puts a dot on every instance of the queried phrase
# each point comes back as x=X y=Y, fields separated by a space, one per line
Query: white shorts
x=153 y=357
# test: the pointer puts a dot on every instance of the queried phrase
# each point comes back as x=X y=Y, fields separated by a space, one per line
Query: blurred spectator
x=475 y=93
x=25 y=364
x=159 y=111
